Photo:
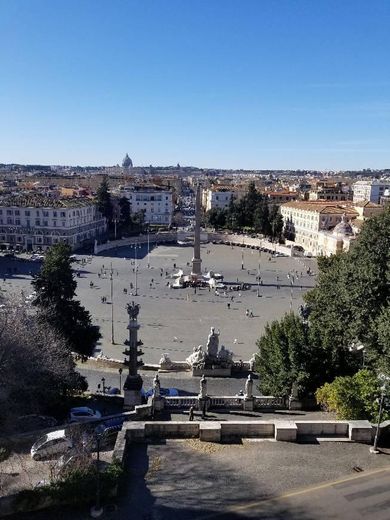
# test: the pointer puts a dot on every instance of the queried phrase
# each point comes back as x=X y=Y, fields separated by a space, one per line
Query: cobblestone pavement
x=176 y=321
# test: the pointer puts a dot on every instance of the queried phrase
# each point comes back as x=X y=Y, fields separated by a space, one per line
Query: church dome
x=127 y=162
x=343 y=228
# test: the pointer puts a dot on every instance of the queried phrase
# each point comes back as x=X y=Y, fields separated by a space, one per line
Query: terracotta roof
x=320 y=207
x=35 y=200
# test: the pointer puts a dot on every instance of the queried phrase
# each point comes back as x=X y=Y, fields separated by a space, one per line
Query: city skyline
x=276 y=85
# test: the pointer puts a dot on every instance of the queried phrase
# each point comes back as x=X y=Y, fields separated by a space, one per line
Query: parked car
x=165 y=392
x=83 y=414
x=50 y=445
x=110 y=426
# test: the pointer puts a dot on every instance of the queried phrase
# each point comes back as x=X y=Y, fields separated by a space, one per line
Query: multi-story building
x=219 y=197
x=275 y=198
x=156 y=202
x=34 y=222
x=371 y=190
x=303 y=221
x=330 y=191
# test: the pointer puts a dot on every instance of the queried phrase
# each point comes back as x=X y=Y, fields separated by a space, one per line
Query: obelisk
x=133 y=384
x=197 y=261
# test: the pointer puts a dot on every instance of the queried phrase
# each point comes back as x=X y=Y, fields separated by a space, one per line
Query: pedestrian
x=191 y=414
x=98 y=275
x=228 y=305
x=247 y=313
x=91 y=284
x=102 y=299
x=251 y=314
x=232 y=298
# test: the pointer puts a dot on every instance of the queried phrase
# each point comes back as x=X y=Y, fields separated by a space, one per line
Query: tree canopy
x=103 y=199
x=350 y=303
x=55 y=288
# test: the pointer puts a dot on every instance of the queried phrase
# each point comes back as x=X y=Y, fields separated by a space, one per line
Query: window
x=63 y=224
x=1 y=211
x=45 y=213
x=45 y=223
x=27 y=213
x=54 y=223
x=17 y=222
x=17 y=212
x=54 y=213
x=10 y=220
x=27 y=223
x=37 y=222
x=9 y=212
x=37 y=212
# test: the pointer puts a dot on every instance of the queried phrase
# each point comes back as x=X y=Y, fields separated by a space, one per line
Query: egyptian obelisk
x=197 y=261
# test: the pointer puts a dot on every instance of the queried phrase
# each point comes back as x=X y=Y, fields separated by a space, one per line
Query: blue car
x=165 y=392
x=110 y=426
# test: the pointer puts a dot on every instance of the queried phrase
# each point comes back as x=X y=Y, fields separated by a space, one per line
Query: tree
x=352 y=397
x=351 y=300
x=287 y=355
x=55 y=288
x=216 y=217
x=103 y=199
x=35 y=351
x=125 y=213
x=276 y=223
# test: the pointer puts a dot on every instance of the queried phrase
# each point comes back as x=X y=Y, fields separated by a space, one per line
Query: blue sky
x=213 y=83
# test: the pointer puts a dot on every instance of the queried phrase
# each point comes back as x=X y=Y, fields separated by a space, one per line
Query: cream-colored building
x=33 y=222
x=304 y=221
x=217 y=197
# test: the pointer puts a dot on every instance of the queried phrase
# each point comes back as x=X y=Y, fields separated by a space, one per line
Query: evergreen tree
x=103 y=199
x=125 y=212
x=55 y=289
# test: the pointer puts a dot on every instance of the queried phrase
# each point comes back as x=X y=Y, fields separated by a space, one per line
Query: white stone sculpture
x=165 y=362
x=225 y=355
x=249 y=388
x=213 y=343
x=252 y=363
x=203 y=387
x=198 y=356
x=156 y=386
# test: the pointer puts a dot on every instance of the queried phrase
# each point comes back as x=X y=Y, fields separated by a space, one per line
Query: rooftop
x=320 y=207
x=35 y=200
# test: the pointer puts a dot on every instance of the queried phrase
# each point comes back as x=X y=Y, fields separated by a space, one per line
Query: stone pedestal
x=294 y=404
x=132 y=391
x=212 y=372
x=249 y=404
x=203 y=403
x=158 y=403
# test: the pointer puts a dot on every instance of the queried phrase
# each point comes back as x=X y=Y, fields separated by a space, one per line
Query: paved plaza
x=191 y=480
x=176 y=320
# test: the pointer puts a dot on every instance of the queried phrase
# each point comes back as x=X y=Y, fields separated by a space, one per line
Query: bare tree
x=36 y=366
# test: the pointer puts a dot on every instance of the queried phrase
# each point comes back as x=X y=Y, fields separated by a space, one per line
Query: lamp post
x=374 y=448
x=104 y=385
x=120 y=370
x=242 y=259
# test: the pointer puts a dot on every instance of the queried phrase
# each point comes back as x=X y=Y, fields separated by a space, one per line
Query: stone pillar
x=197 y=261
x=133 y=384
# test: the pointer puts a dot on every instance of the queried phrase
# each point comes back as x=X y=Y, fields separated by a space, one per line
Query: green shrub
x=352 y=397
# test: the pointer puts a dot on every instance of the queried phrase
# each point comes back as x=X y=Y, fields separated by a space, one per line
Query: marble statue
x=252 y=363
x=165 y=362
x=156 y=386
x=203 y=387
x=225 y=355
x=249 y=388
x=198 y=356
x=212 y=343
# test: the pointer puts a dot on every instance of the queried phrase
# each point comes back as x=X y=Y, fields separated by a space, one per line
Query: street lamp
x=104 y=385
x=148 y=251
x=112 y=304
x=385 y=380
x=242 y=259
x=120 y=370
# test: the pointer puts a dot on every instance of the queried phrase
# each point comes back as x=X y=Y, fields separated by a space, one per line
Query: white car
x=83 y=414
x=51 y=444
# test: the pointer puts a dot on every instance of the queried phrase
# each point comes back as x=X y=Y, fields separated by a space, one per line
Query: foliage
x=125 y=213
x=352 y=397
x=351 y=301
x=37 y=351
x=103 y=199
x=250 y=212
x=55 y=288
x=288 y=355
x=77 y=487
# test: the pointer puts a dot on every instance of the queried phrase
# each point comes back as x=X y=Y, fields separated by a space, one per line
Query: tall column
x=133 y=384
x=196 y=261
